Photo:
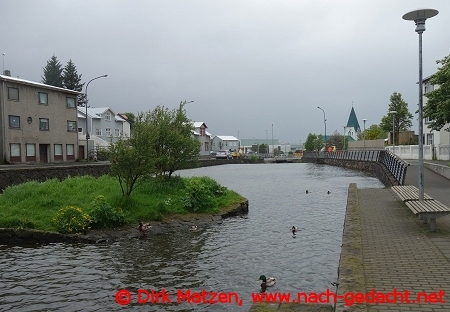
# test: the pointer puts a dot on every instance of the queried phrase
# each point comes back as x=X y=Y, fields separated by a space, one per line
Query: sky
x=254 y=69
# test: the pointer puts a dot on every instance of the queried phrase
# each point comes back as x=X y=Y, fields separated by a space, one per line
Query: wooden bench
x=409 y=192
x=428 y=208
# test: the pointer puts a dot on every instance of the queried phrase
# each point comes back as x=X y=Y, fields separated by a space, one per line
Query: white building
x=225 y=142
x=203 y=136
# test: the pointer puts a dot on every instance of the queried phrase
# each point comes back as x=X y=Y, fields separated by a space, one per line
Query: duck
x=307 y=192
x=294 y=229
x=193 y=228
x=328 y=192
x=266 y=282
x=143 y=228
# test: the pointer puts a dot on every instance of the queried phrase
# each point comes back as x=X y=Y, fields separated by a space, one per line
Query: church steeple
x=353 y=124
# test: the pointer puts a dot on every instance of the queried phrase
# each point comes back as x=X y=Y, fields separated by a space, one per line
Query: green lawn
x=34 y=204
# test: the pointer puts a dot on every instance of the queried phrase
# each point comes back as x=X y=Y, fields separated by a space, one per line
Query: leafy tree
x=72 y=81
x=53 y=73
x=437 y=108
x=337 y=140
x=402 y=117
x=374 y=132
x=313 y=142
x=174 y=146
x=131 y=118
x=132 y=159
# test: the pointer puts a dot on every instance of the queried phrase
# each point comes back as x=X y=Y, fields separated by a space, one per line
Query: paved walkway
x=399 y=252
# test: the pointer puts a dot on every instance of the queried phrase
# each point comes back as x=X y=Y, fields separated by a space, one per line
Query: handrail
x=396 y=166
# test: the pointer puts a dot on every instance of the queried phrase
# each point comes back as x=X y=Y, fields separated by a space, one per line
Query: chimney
x=7 y=72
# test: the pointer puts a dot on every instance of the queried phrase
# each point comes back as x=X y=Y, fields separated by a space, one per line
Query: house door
x=43 y=153
x=81 y=152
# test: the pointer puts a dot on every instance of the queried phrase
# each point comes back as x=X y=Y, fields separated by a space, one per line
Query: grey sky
x=246 y=64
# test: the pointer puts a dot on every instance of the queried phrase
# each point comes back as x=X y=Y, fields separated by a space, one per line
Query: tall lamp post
x=393 y=130
x=267 y=144
x=273 y=147
x=343 y=147
x=325 y=122
x=364 y=120
x=419 y=17
x=86 y=104
x=257 y=145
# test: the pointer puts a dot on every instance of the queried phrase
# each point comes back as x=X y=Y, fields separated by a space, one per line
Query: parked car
x=213 y=153
x=223 y=154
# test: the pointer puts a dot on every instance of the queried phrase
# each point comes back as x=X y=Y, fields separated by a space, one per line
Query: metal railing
x=396 y=166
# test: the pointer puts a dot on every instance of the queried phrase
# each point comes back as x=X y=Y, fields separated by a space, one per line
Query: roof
x=198 y=124
x=227 y=137
x=96 y=112
x=353 y=121
x=37 y=84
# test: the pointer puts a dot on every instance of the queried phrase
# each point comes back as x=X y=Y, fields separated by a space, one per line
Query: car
x=223 y=155
x=213 y=153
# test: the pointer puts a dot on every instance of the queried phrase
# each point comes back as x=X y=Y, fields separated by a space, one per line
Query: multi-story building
x=104 y=126
x=203 y=136
x=38 y=122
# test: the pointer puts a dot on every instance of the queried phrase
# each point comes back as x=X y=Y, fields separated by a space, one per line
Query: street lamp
x=325 y=122
x=343 y=147
x=86 y=104
x=393 y=130
x=364 y=133
x=257 y=145
x=273 y=148
x=419 y=17
x=267 y=143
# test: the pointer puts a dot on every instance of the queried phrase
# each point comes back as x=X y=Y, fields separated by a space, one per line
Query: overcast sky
x=245 y=64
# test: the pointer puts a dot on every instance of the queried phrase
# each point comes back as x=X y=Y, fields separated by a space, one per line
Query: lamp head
x=419 y=16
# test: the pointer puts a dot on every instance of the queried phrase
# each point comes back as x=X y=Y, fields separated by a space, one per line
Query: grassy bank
x=35 y=204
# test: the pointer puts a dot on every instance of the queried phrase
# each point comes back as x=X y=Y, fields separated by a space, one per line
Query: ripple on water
x=228 y=257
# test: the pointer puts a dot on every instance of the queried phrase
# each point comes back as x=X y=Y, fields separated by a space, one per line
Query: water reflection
x=228 y=257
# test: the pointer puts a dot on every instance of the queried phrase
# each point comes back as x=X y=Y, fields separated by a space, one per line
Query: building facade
x=104 y=126
x=39 y=122
x=203 y=136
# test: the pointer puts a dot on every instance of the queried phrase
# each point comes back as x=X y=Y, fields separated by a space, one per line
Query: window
x=202 y=131
x=58 y=152
x=70 y=152
x=70 y=102
x=117 y=132
x=108 y=116
x=427 y=120
x=13 y=94
x=430 y=138
x=206 y=146
x=43 y=98
x=108 y=132
x=98 y=131
x=80 y=130
x=71 y=126
x=15 y=150
x=30 y=152
x=43 y=124
x=14 y=121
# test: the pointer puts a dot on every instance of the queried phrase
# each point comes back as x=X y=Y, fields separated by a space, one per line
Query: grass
x=34 y=204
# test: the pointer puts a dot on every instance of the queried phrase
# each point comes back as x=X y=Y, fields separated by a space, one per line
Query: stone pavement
x=399 y=252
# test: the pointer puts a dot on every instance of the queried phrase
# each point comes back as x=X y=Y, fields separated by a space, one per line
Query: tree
x=72 y=81
x=401 y=118
x=132 y=159
x=53 y=73
x=374 y=132
x=313 y=142
x=438 y=105
x=173 y=145
x=131 y=119
x=337 y=140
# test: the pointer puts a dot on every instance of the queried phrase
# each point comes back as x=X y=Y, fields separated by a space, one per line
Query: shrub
x=199 y=195
x=104 y=216
x=253 y=159
x=71 y=220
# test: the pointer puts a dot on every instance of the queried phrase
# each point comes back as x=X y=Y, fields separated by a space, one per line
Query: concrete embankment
x=171 y=224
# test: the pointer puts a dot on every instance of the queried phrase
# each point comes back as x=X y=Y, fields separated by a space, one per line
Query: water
x=221 y=258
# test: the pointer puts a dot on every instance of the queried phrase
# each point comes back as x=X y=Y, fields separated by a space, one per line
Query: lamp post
x=364 y=120
x=267 y=143
x=393 y=129
x=86 y=104
x=257 y=145
x=343 y=147
x=273 y=148
x=325 y=122
x=419 y=17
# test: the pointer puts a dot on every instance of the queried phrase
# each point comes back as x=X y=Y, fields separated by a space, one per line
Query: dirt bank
x=171 y=224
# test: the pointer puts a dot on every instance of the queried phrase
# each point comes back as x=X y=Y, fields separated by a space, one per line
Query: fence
x=395 y=165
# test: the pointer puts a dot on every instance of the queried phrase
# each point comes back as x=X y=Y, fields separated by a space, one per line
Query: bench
x=428 y=208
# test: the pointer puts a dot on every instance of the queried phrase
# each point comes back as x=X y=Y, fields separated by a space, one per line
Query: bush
x=71 y=220
x=253 y=159
x=104 y=216
x=199 y=194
